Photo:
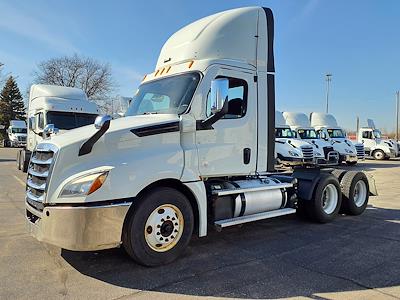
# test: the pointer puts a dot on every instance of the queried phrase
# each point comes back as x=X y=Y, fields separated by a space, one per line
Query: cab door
x=230 y=146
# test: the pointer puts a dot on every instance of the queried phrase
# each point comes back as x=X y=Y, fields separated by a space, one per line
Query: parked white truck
x=16 y=133
x=326 y=126
x=323 y=150
x=196 y=151
x=54 y=106
x=374 y=144
x=290 y=151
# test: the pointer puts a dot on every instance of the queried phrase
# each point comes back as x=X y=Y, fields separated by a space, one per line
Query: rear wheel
x=325 y=205
x=338 y=173
x=355 y=190
x=159 y=227
x=378 y=155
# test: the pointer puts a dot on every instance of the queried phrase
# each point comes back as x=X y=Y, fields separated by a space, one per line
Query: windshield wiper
x=150 y=113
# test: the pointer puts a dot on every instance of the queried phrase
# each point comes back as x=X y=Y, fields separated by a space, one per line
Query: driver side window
x=367 y=135
x=237 y=99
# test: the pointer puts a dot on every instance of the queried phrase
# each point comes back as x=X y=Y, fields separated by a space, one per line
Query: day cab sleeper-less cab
x=195 y=152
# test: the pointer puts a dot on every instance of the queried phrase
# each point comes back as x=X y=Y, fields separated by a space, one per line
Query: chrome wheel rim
x=378 y=155
x=164 y=228
x=329 y=198
x=360 y=193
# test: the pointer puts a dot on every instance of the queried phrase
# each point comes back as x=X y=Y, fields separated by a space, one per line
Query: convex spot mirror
x=101 y=121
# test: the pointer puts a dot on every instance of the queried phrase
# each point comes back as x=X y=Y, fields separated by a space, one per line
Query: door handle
x=246 y=155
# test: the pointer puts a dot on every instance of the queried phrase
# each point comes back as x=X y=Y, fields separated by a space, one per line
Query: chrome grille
x=22 y=138
x=308 y=152
x=360 y=151
x=38 y=173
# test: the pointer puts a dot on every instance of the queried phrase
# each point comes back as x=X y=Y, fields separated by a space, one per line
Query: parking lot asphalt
x=350 y=258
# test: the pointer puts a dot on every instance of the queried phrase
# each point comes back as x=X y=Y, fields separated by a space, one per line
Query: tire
x=351 y=163
x=324 y=210
x=19 y=160
x=355 y=191
x=24 y=161
x=338 y=173
x=148 y=234
x=378 y=155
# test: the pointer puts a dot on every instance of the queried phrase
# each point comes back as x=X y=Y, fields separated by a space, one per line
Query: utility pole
x=328 y=81
x=397 y=114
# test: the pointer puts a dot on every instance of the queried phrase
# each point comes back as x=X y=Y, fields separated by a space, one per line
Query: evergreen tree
x=11 y=103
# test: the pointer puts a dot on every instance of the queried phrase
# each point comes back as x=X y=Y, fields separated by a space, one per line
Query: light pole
x=328 y=81
x=397 y=114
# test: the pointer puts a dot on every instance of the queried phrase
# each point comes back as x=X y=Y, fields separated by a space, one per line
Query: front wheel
x=159 y=227
x=379 y=155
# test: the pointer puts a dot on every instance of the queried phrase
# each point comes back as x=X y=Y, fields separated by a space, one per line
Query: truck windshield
x=18 y=130
x=69 y=120
x=377 y=134
x=307 y=133
x=284 y=133
x=336 y=133
x=169 y=95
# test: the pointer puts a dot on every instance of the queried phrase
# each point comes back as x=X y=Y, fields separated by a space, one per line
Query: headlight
x=84 y=185
x=318 y=154
x=292 y=153
x=348 y=151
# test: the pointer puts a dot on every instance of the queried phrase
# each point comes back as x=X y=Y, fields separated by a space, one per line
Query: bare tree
x=93 y=77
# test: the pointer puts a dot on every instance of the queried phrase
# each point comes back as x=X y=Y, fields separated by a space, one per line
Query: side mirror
x=49 y=129
x=219 y=101
x=102 y=121
x=219 y=94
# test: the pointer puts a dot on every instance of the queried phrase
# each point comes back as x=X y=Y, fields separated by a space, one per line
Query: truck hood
x=122 y=125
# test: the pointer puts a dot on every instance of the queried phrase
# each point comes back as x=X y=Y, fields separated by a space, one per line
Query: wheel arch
x=179 y=186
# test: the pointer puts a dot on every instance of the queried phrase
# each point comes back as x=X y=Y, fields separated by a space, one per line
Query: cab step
x=255 y=217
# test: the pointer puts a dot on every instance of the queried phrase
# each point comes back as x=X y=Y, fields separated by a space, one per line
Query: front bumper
x=296 y=160
x=78 y=228
x=348 y=158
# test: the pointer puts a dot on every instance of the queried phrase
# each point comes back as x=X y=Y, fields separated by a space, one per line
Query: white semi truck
x=195 y=151
x=374 y=144
x=64 y=108
x=326 y=126
x=323 y=150
x=290 y=151
x=16 y=133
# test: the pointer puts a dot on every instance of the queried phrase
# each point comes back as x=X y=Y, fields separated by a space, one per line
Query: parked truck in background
x=326 y=126
x=290 y=151
x=374 y=144
x=63 y=107
x=323 y=150
x=195 y=152
x=16 y=134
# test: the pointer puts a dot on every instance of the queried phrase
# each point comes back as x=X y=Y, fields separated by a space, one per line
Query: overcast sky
x=357 y=41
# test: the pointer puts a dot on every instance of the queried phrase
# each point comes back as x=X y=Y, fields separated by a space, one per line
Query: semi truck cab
x=374 y=145
x=290 y=151
x=195 y=152
x=323 y=149
x=326 y=127
x=64 y=108
x=17 y=133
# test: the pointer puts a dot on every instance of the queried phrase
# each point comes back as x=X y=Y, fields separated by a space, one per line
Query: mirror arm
x=206 y=124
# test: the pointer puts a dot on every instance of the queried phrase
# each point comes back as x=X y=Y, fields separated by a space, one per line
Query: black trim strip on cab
x=270 y=31
x=271 y=122
x=156 y=129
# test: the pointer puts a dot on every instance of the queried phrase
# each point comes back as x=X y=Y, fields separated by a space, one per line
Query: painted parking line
x=19 y=180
